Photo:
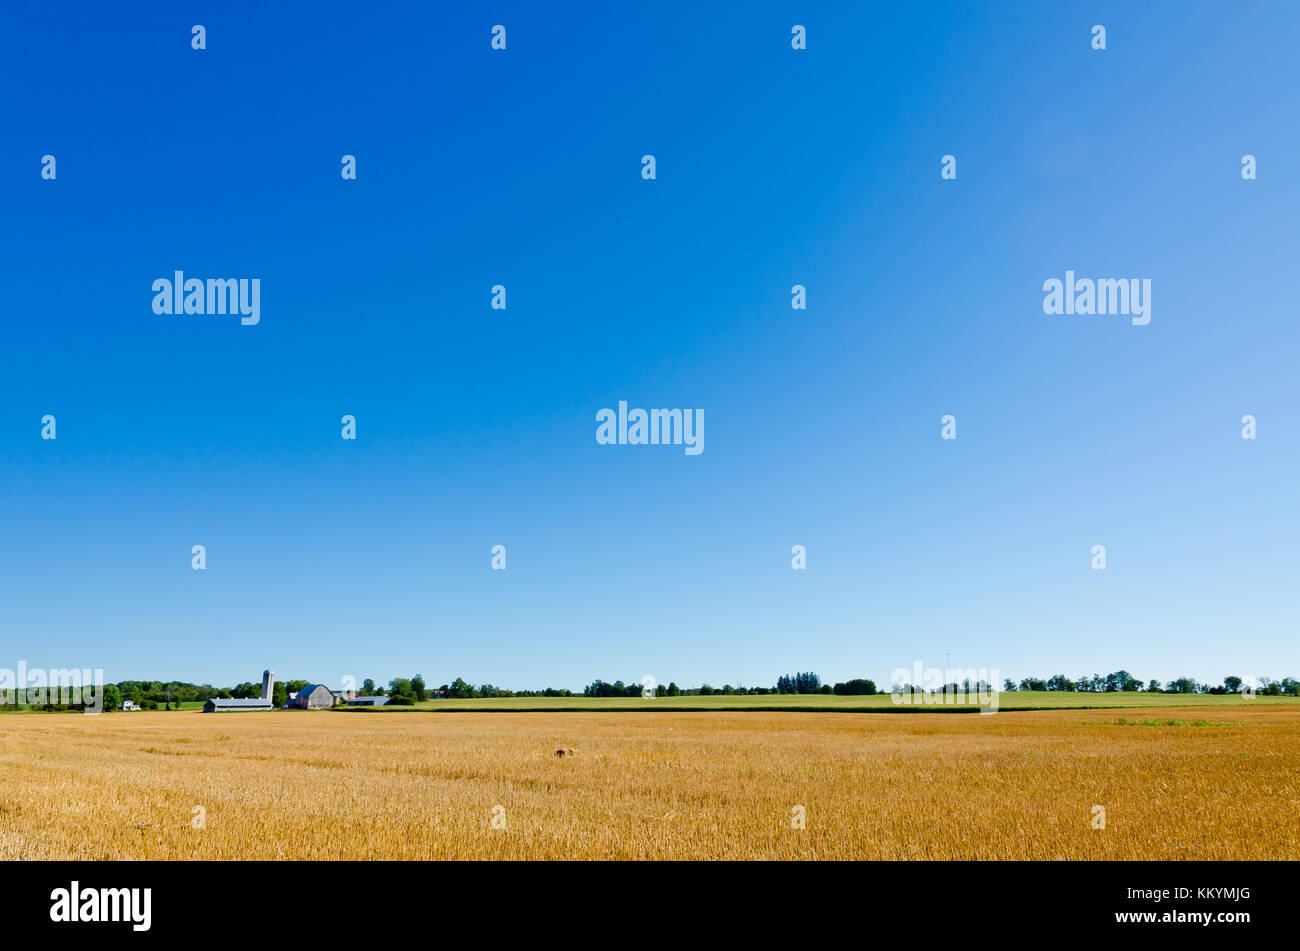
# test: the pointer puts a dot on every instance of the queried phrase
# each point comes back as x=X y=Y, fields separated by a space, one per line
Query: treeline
x=150 y=695
x=402 y=691
x=1121 y=681
x=160 y=695
x=803 y=682
x=145 y=694
x=461 y=689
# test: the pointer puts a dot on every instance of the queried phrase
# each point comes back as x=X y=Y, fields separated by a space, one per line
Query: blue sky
x=476 y=427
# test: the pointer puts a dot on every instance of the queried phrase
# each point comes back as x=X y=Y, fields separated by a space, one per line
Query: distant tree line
x=160 y=695
x=1121 y=681
x=461 y=689
x=804 y=682
x=150 y=695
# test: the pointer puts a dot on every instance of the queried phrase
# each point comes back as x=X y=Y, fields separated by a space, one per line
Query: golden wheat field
x=1220 y=783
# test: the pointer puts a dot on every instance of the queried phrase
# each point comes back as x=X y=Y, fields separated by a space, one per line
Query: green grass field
x=821 y=703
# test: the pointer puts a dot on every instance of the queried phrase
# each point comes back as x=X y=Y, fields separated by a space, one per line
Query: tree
x=417 y=685
x=807 y=682
x=1232 y=684
x=856 y=688
x=400 y=687
x=1154 y=686
x=673 y=689
x=460 y=690
x=279 y=694
x=368 y=687
x=1118 y=681
x=112 y=697
x=802 y=682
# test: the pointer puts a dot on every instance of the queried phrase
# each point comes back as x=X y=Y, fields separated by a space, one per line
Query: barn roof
x=250 y=702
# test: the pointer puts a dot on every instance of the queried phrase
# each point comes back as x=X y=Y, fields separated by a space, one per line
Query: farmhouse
x=367 y=701
x=263 y=702
x=312 y=697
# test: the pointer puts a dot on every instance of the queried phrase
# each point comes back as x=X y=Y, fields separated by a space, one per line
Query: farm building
x=367 y=701
x=312 y=697
x=263 y=702
x=217 y=705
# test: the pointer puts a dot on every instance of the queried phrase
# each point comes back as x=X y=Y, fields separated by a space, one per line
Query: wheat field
x=1176 y=783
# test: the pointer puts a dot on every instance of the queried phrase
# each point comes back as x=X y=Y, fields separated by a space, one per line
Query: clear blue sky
x=477 y=427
